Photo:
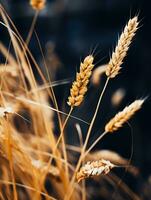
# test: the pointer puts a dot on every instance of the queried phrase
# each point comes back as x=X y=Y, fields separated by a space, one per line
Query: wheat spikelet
x=115 y=123
x=94 y=168
x=122 y=47
x=79 y=87
x=37 y=4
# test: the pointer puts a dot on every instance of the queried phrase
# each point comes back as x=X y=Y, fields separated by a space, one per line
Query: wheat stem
x=94 y=143
x=10 y=158
x=61 y=137
x=32 y=27
x=71 y=186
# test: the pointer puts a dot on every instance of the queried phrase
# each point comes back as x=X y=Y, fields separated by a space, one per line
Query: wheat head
x=94 y=168
x=79 y=86
x=116 y=122
x=38 y=4
x=122 y=47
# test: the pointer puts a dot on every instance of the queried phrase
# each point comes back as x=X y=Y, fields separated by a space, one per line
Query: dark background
x=76 y=27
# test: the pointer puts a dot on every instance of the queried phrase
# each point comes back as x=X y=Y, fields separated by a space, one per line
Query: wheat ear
x=94 y=168
x=115 y=123
x=79 y=86
x=38 y=4
x=122 y=47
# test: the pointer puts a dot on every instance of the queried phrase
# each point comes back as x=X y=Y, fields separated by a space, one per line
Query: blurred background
x=69 y=30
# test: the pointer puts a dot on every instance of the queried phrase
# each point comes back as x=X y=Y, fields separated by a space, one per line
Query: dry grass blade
x=122 y=47
x=94 y=168
x=79 y=87
x=117 y=122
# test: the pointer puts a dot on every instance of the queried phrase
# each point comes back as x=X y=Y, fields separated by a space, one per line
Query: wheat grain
x=122 y=47
x=94 y=168
x=115 y=123
x=79 y=87
x=37 y=4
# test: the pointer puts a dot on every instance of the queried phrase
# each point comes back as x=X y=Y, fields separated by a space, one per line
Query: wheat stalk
x=122 y=47
x=94 y=168
x=79 y=87
x=116 y=122
x=38 y=4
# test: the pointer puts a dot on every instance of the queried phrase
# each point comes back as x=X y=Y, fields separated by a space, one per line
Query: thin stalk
x=11 y=161
x=32 y=27
x=95 y=142
x=71 y=186
x=28 y=188
x=63 y=144
x=62 y=131
x=50 y=82
x=64 y=150
x=1 y=195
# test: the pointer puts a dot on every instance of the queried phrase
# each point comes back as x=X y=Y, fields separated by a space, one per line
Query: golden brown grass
x=31 y=155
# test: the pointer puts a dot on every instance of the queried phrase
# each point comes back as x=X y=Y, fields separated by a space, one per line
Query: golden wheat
x=97 y=74
x=37 y=4
x=79 y=87
x=94 y=168
x=122 y=47
x=115 y=123
x=113 y=157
